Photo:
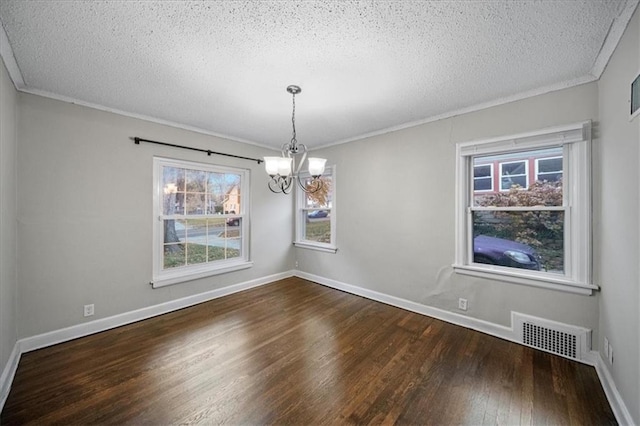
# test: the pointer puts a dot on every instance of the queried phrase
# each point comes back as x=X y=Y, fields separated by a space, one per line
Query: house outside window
x=316 y=214
x=536 y=228
x=200 y=220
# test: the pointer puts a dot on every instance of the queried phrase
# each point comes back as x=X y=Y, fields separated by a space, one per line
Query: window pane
x=173 y=256
x=174 y=231
x=550 y=169
x=232 y=180
x=215 y=228
x=518 y=168
x=179 y=206
x=195 y=203
x=173 y=177
x=481 y=171
x=231 y=203
x=526 y=240
x=323 y=196
x=483 y=184
x=172 y=187
x=169 y=201
x=215 y=192
x=513 y=181
x=513 y=174
x=174 y=237
x=318 y=226
x=550 y=165
x=196 y=180
x=196 y=253
x=231 y=237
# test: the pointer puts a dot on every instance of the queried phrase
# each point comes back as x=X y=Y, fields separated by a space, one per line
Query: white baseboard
x=9 y=373
x=615 y=399
x=81 y=330
x=486 y=327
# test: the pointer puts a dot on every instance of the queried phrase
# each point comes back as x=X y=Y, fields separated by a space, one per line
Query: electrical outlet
x=606 y=348
x=610 y=354
x=88 y=310
x=462 y=304
x=296 y=263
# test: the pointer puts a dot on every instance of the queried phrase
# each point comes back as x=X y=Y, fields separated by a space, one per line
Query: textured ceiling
x=364 y=66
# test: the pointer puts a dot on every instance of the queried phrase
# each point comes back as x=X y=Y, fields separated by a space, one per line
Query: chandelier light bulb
x=284 y=166
x=271 y=165
x=316 y=166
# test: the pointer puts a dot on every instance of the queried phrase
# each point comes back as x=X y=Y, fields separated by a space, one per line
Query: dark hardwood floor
x=293 y=352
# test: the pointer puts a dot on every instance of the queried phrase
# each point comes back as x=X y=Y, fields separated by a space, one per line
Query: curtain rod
x=137 y=141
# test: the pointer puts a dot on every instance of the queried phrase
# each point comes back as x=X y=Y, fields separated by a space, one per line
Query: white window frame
x=491 y=177
x=538 y=167
x=576 y=142
x=162 y=277
x=302 y=211
x=525 y=174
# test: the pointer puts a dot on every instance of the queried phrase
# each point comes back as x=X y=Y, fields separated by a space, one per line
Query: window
x=483 y=177
x=513 y=174
x=316 y=215
x=536 y=229
x=549 y=169
x=201 y=220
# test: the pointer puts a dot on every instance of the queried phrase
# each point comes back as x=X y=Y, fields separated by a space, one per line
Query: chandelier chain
x=293 y=121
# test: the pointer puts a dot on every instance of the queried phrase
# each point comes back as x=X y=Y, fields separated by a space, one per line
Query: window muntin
x=315 y=222
x=483 y=177
x=550 y=217
x=201 y=226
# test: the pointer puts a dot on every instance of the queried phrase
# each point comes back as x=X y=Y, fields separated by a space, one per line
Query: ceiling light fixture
x=283 y=170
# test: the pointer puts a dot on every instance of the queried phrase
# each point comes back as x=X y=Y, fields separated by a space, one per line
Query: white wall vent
x=561 y=339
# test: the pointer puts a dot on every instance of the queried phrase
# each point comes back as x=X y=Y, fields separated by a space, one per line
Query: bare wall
x=85 y=214
x=395 y=213
x=618 y=212
x=8 y=209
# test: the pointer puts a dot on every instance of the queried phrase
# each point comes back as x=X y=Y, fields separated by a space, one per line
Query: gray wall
x=617 y=190
x=85 y=214
x=8 y=278
x=395 y=213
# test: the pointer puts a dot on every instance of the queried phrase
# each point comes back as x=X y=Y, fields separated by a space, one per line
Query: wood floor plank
x=294 y=352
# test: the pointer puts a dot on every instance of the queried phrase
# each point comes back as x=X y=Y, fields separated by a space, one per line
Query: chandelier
x=283 y=170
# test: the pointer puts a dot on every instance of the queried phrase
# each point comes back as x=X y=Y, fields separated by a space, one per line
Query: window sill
x=324 y=247
x=524 y=278
x=184 y=276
